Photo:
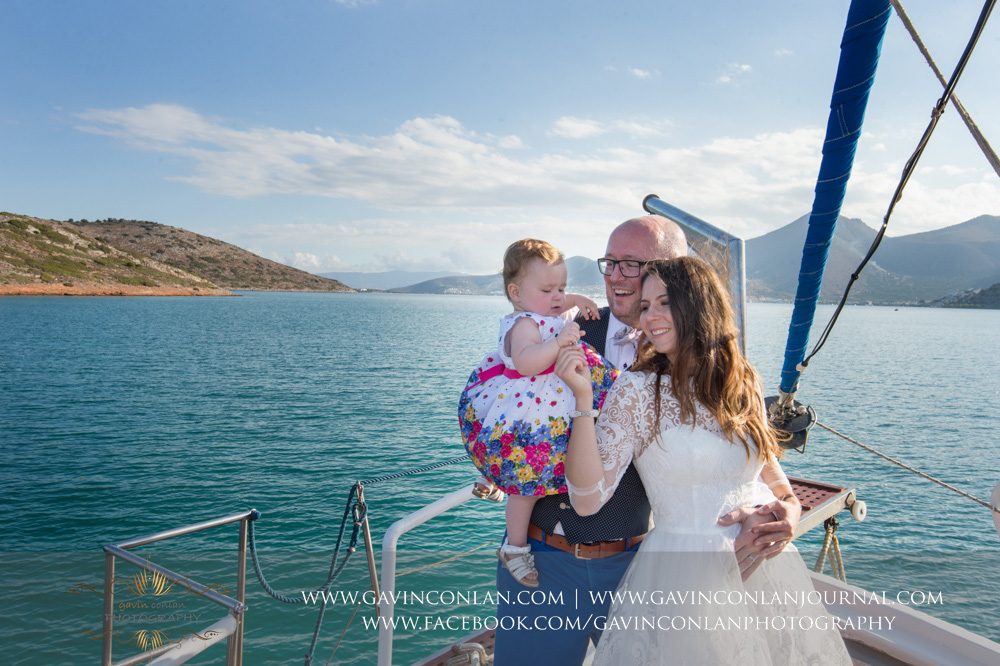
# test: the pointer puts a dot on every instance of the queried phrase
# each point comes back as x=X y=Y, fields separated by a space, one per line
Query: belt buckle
x=576 y=552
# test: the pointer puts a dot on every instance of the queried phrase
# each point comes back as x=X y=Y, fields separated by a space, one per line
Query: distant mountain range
x=955 y=266
x=905 y=269
x=385 y=280
x=582 y=275
x=919 y=267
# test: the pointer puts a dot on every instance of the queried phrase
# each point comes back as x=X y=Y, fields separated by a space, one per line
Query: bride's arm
x=598 y=453
x=786 y=510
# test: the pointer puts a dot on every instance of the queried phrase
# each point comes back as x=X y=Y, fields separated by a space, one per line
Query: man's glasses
x=628 y=267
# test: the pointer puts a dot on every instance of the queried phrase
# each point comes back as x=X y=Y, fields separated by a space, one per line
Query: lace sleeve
x=620 y=429
x=774 y=476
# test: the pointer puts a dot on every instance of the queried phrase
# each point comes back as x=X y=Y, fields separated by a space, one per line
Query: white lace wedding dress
x=681 y=600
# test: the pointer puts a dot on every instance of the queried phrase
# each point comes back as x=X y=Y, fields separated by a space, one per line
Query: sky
x=376 y=135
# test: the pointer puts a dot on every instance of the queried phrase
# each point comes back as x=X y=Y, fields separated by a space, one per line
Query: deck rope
x=416 y=470
x=908 y=468
x=831 y=549
x=360 y=511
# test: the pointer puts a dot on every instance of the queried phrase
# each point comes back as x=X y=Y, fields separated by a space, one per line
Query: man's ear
x=513 y=292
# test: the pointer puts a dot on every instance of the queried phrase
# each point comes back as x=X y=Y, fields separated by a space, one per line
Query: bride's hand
x=572 y=368
x=749 y=554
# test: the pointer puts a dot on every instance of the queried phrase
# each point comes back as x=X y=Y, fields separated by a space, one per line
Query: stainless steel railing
x=230 y=626
x=730 y=247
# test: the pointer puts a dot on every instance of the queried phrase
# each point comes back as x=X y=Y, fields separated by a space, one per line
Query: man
x=581 y=559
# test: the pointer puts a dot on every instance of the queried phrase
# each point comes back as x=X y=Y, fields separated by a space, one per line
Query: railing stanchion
x=369 y=551
x=241 y=590
x=109 y=608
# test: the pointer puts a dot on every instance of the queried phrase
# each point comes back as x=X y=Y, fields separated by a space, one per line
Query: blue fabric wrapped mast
x=859 y=53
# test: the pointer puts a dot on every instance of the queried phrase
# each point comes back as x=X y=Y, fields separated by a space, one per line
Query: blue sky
x=429 y=134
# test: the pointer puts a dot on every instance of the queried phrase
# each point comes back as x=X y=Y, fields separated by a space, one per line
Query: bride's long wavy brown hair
x=709 y=367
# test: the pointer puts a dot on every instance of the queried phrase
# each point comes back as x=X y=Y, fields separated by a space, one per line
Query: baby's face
x=541 y=289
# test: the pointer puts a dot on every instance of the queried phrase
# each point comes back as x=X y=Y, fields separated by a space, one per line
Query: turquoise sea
x=121 y=417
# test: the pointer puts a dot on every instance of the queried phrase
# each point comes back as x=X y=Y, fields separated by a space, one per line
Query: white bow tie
x=625 y=335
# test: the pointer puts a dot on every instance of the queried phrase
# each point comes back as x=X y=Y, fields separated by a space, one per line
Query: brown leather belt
x=594 y=550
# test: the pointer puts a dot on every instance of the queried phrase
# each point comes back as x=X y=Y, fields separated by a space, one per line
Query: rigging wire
x=908 y=468
x=984 y=145
x=908 y=169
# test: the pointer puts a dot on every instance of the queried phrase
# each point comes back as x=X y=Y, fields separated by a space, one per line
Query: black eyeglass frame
x=607 y=266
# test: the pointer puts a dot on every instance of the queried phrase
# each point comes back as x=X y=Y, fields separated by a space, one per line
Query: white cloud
x=953 y=170
x=510 y=142
x=576 y=128
x=734 y=73
x=355 y=3
x=307 y=261
x=642 y=129
x=438 y=170
x=582 y=128
x=781 y=53
x=640 y=73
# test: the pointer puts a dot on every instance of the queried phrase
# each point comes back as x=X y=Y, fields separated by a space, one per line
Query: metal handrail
x=230 y=625
x=396 y=530
x=732 y=247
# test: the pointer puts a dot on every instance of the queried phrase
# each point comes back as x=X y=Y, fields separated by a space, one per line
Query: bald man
x=581 y=559
x=631 y=244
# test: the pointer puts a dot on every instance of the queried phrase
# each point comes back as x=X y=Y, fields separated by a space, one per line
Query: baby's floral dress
x=516 y=428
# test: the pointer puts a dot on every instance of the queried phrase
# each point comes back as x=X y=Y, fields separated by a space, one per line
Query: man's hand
x=765 y=532
x=774 y=536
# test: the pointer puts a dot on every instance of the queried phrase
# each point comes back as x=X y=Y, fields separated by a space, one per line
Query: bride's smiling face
x=656 y=319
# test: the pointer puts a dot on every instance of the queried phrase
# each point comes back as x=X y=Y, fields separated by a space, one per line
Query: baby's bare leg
x=518 y=514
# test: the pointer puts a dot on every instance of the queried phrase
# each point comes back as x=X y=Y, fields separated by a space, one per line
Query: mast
x=859 y=54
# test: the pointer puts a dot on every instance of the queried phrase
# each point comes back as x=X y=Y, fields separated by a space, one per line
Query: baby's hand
x=588 y=308
x=569 y=335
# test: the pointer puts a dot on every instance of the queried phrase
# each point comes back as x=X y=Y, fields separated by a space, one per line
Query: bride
x=691 y=416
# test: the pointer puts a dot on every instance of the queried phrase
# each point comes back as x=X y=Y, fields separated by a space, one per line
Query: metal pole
x=369 y=551
x=241 y=589
x=697 y=229
x=168 y=534
x=109 y=607
x=194 y=586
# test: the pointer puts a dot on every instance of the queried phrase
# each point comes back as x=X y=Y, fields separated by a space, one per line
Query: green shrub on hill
x=138 y=282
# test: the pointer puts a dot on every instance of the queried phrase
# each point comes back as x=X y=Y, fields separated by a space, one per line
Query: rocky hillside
x=48 y=257
x=988 y=298
x=226 y=265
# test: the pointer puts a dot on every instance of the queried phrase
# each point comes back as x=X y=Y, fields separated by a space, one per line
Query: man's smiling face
x=628 y=241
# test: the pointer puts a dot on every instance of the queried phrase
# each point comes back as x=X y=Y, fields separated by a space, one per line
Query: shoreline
x=96 y=289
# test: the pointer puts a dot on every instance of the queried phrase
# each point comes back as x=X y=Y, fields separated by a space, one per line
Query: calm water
x=121 y=417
